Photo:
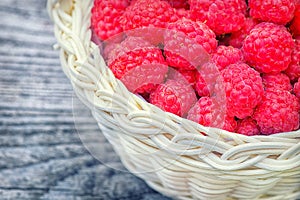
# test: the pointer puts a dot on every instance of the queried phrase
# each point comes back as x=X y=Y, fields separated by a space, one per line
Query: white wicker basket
x=167 y=151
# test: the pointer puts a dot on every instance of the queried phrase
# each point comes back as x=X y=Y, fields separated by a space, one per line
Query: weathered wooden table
x=41 y=154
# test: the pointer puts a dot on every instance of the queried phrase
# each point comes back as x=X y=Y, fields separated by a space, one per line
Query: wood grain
x=41 y=154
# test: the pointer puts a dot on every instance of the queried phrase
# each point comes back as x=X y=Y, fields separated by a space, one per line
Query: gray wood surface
x=41 y=154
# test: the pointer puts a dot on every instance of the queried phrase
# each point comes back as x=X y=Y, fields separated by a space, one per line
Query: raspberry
x=148 y=18
x=277 y=112
x=222 y=16
x=237 y=38
x=187 y=76
x=208 y=112
x=293 y=71
x=108 y=48
x=296 y=89
x=182 y=13
x=206 y=78
x=178 y=3
x=295 y=25
x=226 y=55
x=138 y=64
x=243 y=87
x=186 y=43
x=279 y=11
x=268 y=47
x=174 y=96
x=247 y=127
x=277 y=81
x=105 y=19
x=201 y=86
x=230 y=124
x=116 y=50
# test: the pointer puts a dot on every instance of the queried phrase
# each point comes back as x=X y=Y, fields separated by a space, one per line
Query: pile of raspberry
x=233 y=65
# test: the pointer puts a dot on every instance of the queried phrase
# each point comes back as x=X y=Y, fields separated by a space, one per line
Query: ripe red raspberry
x=295 y=25
x=108 y=48
x=279 y=11
x=268 y=47
x=105 y=19
x=182 y=13
x=187 y=43
x=174 y=96
x=178 y=3
x=138 y=64
x=222 y=16
x=277 y=112
x=206 y=78
x=278 y=81
x=230 y=124
x=293 y=71
x=296 y=89
x=243 y=87
x=237 y=38
x=187 y=76
x=201 y=86
x=208 y=112
x=226 y=55
x=248 y=127
x=114 y=50
x=147 y=19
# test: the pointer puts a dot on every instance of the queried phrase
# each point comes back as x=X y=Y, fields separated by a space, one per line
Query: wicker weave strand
x=169 y=152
